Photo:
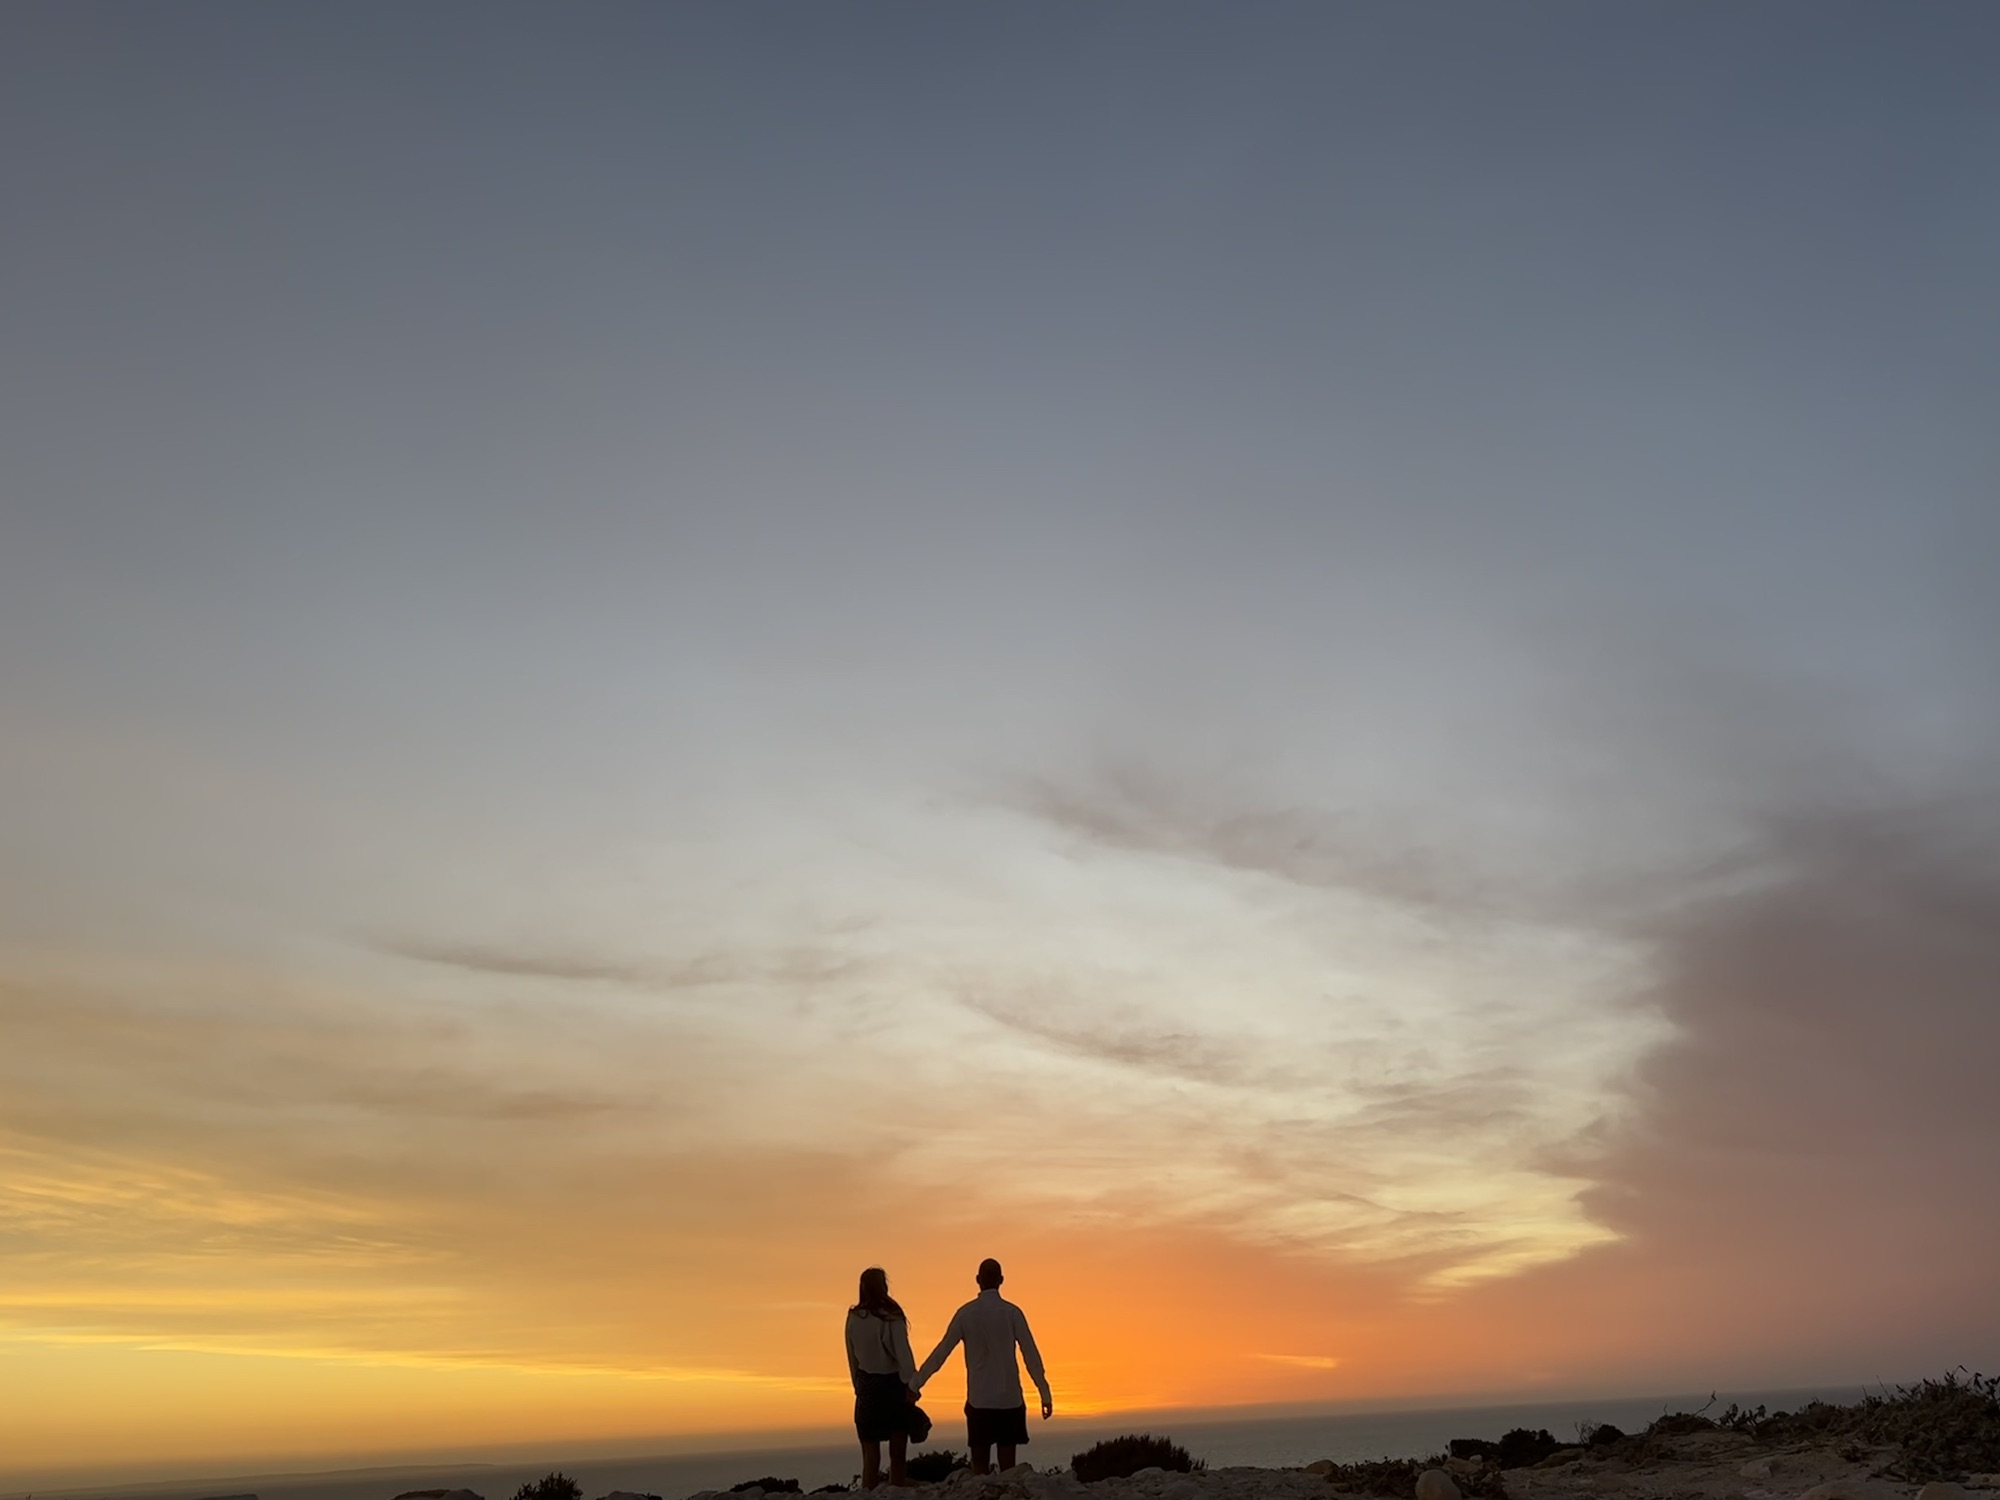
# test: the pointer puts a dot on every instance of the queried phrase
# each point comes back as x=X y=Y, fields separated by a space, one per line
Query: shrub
x=1603 y=1435
x=1122 y=1457
x=768 y=1485
x=934 y=1465
x=1941 y=1429
x=1524 y=1446
x=1475 y=1448
x=556 y=1486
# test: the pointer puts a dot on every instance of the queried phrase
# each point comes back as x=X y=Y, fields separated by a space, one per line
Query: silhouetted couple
x=887 y=1381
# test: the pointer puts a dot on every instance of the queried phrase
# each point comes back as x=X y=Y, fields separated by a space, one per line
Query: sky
x=1326 y=674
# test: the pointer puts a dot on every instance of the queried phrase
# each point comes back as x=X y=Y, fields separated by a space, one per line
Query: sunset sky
x=1329 y=674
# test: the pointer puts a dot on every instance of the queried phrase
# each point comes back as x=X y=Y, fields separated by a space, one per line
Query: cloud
x=1125 y=1037
x=789 y=967
x=1805 y=1179
x=1133 y=807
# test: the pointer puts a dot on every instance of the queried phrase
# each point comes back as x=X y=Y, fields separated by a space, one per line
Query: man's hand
x=1048 y=1408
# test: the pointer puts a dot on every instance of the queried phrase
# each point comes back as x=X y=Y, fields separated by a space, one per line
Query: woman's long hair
x=875 y=1300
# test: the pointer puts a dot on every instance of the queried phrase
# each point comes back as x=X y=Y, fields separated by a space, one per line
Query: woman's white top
x=880 y=1346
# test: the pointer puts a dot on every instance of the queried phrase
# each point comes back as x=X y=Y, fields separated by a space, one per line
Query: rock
x=1463 y=1465
x=1943 y=1489
x=1320 y=1466
x=444 y=1495
x=1983 y=1481
x=1435 y=1484
x=614 y=1495
x=1560 y=1458
x=1757 y=1468
x=1851 y=1489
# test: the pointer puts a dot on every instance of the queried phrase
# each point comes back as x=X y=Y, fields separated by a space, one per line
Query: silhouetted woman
x=885 y=1375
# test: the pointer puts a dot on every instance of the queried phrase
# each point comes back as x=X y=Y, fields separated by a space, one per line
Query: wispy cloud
x=790 y=966
x=1127 y=805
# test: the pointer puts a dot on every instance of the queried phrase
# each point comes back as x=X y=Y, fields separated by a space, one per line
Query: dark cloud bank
x=1806 y=1180
x=1818 y=1145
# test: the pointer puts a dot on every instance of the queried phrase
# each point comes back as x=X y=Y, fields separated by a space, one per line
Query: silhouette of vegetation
x=1945 y=1428
x=1525 y=1446
x=1122 y=1457
x=934 y=1465
x=555 y=1486
x=1941 y=1429
x=768 y=1484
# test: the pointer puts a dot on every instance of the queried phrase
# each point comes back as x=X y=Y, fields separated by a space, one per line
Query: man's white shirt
x=990 y=1326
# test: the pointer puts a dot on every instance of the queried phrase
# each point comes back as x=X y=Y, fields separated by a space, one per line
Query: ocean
x=1265 y=1440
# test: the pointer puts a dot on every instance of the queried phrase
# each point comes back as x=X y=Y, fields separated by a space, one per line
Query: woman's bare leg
x=871 y=1465
x=899 y=1450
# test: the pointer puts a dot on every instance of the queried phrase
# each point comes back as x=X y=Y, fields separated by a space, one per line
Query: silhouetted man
x=990 y=1326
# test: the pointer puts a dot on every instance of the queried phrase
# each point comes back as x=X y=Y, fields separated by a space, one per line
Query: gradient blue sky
x=1297 y=625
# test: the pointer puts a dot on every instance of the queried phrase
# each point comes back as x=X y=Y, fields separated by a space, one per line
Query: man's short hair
x=989 y=1272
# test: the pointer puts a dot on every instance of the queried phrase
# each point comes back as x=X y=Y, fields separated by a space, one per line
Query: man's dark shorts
x=985 y=1426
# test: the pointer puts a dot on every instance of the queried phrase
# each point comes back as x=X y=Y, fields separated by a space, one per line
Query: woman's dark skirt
x=881 y=1408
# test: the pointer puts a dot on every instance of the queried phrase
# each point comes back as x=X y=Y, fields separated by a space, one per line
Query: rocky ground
x=1696 y=1466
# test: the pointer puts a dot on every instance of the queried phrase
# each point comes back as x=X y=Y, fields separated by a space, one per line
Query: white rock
x=1435 y=1484
x=1943 y=1489
x=1320 y=1466
x=1757 y=1468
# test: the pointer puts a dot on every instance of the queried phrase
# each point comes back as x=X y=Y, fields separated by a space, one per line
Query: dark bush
x=556 y=1486
x=1603 y=1435
x=1479 y=1448
x=1941 y=1429
x=1680 y=1424
x=768 y=1484
x=1524 y=1446
x=1122 y=1457
x=934 y=1465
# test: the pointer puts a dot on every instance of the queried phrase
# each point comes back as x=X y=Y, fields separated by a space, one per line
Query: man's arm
x=1032 y=1358
x=954 y=1332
